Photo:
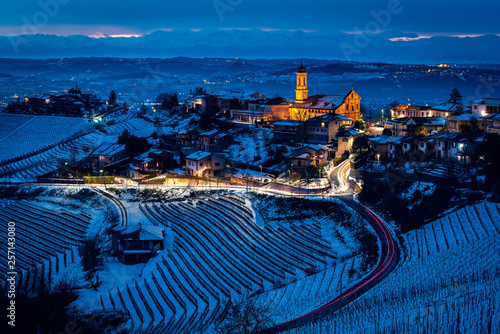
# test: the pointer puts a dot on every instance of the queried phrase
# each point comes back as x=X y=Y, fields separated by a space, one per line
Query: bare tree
x=245 y=316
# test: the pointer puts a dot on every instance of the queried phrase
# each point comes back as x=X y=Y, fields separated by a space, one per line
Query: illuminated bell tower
x=301 y=91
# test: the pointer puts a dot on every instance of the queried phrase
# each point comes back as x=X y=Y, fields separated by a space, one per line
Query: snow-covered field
x=20 y=134
x=49 y=228
x=29 y=134
x=448 y=282
x=218 y=248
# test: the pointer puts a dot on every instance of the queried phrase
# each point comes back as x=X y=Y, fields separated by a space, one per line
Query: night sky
x=125 y=17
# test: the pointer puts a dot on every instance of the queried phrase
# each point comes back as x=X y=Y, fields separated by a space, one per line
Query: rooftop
x=141 y=232
x=320 y=101
x=465 y=117
x=198 y=155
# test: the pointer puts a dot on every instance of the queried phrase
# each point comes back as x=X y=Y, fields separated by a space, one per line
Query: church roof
x=320 y=101
x=301 y=69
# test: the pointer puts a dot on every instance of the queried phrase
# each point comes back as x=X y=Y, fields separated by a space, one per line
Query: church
x=306 y=107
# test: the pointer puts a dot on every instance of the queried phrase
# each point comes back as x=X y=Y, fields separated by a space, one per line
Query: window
x=127 y=245
x=475 y=107
x=201 y=164
x=217 y=164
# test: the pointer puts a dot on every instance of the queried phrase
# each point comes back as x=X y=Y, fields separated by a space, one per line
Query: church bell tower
x=301 y=91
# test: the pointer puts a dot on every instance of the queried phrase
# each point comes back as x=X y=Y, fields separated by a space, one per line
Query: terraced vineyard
x=40 y=156
x=449 y=282
x=218 y=252
x=46 y=242
x=27 y=134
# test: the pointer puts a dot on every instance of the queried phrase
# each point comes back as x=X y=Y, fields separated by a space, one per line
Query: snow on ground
x=39 y=132
x=252 y=147
x=443 y=284
x=243 y=173
x=113 y=274
x=413 y=194
x=21 y=134
x=191 y=275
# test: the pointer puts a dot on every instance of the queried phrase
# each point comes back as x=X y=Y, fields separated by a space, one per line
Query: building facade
x=306 y=107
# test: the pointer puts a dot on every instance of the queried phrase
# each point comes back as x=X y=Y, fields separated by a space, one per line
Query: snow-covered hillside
x=50 y=227
x=42 y=144
x=218 y=248
x=20 y=134
x=448 y=282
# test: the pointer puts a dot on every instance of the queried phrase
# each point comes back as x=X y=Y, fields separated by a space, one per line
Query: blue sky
x=125 y=17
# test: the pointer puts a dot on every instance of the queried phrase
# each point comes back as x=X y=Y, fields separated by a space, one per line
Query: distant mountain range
x=257 y=43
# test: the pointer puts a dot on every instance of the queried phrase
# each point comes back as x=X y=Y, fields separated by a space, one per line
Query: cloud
x=445 y=16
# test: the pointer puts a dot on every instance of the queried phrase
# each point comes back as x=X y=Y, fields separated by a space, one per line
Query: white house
x=205 y=163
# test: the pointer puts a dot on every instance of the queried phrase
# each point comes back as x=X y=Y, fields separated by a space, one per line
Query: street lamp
x=104 y=178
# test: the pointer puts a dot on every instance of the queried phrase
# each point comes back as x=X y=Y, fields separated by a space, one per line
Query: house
x=215 y=141
x=427 y=147
x=486 y=106
x=386 y=147
x=136 y=243
x=205 y=163
x=445 y=109
x=409 y=145
x=345 y=139
x=151 y=160
x=491 y=123
x=279 y=107
x=228 y=100
x=72 y=104
x=289 y=131
x=457 y=122
x=252 y=116
x=323 y=129
x=200 y=101
x=309 y=155
x=412 y=111
x=458 y=146
x=104 y=155
x=402 y=126
x=186 y=136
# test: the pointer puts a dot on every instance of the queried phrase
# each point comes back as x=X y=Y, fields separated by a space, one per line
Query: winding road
x=116 y=201
x=388 y=260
